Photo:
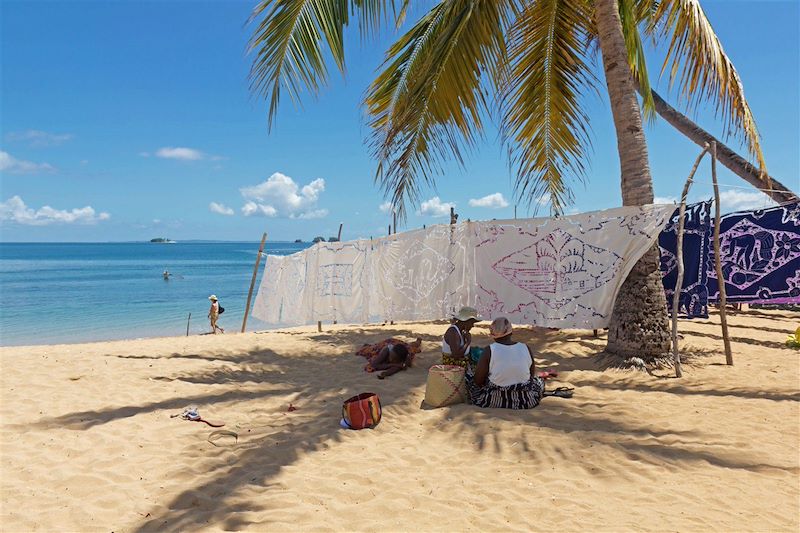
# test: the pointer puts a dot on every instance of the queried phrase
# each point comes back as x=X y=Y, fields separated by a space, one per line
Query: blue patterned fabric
x=760 y=253
x=696 y=246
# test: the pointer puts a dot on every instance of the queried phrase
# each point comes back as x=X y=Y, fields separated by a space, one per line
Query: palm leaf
x=291 y=39
x=545 y=126
x=702 y=70
x=631 y=13
x=427 y=103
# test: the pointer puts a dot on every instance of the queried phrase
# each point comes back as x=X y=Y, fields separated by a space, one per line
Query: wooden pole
x=717 y=261
x=187 y=324
x=390 y=229
x=339 y=237
x=676 y=297
x=394 y=221
x=319 y=325
x=253 y=281
x=515 y=210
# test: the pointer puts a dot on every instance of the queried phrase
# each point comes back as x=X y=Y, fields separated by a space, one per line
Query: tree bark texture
x=733 y=161
x=639 y=325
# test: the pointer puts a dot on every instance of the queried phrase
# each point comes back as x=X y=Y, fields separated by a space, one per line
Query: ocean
x=80 y=292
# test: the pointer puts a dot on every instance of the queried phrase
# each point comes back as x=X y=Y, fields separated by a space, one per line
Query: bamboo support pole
x=187 y=324
x=676 y=297
x=718 y=261
x=339 y=237
x=253 y=281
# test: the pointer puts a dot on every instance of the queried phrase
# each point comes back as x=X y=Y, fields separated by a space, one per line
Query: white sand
x=88 y=443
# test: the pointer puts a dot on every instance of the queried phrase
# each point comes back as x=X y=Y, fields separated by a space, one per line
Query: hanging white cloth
x=561 y=272
x=553 y=272
x=421 y=274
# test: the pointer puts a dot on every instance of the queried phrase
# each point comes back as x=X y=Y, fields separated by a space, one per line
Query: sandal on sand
x=561 y=392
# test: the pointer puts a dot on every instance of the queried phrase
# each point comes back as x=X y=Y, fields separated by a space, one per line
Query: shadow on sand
x=265 y=373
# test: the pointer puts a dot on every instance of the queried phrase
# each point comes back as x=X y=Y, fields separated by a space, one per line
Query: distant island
x=318 y=239
x=162 y=240
x=298 y=240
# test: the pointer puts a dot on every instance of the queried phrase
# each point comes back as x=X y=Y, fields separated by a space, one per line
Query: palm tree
x=528 y=64
x=737 y=164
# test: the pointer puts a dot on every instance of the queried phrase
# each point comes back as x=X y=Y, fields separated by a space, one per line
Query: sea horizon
x=59 y=292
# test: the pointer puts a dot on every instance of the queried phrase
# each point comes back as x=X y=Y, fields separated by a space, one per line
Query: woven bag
x=362 y=411
x=446 y=385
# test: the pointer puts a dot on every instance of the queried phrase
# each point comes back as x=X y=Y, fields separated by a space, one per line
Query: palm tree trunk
x=736 y=163
x=639 y=323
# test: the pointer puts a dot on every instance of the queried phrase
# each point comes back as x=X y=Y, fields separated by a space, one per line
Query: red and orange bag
x=362 y=411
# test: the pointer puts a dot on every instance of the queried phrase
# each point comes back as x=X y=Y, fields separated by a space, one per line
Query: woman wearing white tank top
x=506 y=373
x=457 y=339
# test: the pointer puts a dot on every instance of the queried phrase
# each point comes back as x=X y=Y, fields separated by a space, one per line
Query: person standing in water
x=213 y=314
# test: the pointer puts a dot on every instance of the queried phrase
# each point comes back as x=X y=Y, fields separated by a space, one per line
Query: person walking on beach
x=213 y=314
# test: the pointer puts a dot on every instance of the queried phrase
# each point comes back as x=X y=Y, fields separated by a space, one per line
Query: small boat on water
x=162 y=240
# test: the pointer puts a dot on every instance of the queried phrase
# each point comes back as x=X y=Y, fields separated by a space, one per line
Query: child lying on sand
x=390 y=355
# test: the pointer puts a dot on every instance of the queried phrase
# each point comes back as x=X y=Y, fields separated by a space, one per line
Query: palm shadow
x=261 y=374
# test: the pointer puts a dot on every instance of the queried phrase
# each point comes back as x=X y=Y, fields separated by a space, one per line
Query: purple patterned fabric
x=696 y=245
x=760 y=253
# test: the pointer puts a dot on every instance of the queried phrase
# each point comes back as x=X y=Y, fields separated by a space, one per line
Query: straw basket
x=445 y=386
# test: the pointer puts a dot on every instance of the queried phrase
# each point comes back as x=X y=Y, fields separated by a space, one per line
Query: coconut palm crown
x=528 y=63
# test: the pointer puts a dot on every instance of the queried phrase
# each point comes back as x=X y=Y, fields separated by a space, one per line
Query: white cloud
x=220 y=209
x=15 y=210
x=17 y=166
x=665 y=200
x=385 y=207
x=435 y=208
x=732 y=200
x=281 y=196
x=492 y=201
x=39 y=138
x=317 y=213
x=252 y=208
x=183 y=154
x=543 y=199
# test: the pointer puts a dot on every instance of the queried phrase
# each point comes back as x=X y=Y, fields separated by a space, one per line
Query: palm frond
x=631 y=13
x=698 y=64
x=291 y=39
x=374 y=14
x=545 y=126
x=427 y=103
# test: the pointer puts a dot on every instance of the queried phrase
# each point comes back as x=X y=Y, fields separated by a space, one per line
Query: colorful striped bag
x=362 y=411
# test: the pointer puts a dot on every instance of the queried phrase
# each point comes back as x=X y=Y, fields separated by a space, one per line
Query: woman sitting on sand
x=506 y=373
x=457 y=339
x=390 y=355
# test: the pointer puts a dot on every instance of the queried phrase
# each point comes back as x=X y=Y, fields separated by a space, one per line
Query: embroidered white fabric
x=552 y=272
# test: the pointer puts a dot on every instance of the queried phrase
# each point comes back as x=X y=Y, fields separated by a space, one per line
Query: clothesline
x=708 y=183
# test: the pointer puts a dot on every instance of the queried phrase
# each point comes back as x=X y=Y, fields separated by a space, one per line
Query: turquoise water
x=77 y=292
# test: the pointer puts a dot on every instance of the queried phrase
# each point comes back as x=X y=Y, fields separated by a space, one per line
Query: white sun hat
x=467 y=313
x=213 y=297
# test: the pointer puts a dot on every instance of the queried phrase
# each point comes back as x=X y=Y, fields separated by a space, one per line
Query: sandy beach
x=88 y=442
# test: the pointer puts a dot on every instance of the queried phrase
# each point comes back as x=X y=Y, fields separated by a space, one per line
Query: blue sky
x=131 y=120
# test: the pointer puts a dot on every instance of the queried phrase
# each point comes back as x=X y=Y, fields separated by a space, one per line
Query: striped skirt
x=520 y=396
